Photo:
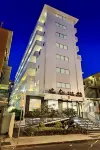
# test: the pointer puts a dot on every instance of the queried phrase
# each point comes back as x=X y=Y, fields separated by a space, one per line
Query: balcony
x=79 y=57
x=77 y=49
x=76 y=39
x=31 y=65
x=75 y=30
x=39 y=33
x=39 y=43
x=40 y=24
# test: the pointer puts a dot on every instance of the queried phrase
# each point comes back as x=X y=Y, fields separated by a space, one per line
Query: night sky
x=20 y=16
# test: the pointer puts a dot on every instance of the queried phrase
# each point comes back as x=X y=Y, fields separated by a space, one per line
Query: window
x=61 y=35
x=57 y=44
x=67 y=86
x=60 y=25
x=62 y=70
x=57 y=24
x=65 y=47
x=57 y=34
x=62 y=57
x=58 y=56
x=57 y=69
x=67 y=71
x=65 y=37
x=63 y=85
x=66 y=58
x=64 y=27
x=61 y=46
x=61 y=17
x=58 y=84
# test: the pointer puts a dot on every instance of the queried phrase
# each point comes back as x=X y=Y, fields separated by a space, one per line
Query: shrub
x=58 y=125
x=42 y=124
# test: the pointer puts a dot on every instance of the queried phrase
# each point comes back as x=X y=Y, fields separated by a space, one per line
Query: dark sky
x=20 y=16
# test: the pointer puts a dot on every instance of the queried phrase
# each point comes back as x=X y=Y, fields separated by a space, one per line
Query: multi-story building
x=5 y=43
x=51 y=65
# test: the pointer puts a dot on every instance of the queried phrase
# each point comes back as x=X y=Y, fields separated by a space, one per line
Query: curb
x=51 y=143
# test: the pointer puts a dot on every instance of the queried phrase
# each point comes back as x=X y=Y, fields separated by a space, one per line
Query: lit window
x=62 y=70
x=57 y=44
x=66 y=58
x=57 y=69
x=67 y=71
x=65 y=47
x=63 y=85
x=58 y=56
x=58 y=84
x=67 y=85
x=61 y=45
x=62 y=57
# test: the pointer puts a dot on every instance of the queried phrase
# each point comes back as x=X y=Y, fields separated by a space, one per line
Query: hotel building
x=51 y=65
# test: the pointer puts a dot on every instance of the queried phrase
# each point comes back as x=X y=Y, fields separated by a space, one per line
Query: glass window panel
x=58 y=56
x=57 y=44
x=57 y=69
x=63 y=85
x=64 y=27
x=62 y=70
x=61 y=25
x=65 y=47
x=57 y=34
x=58 y=84
x=62 y=57
x=65 y=37
x=61 y=35
x=66 y=58
x=67 y=85
x=67 y=71
x=57 y=24
x=61 y=46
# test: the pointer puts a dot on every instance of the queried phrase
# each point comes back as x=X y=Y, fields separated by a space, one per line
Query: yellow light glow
x=91 y=78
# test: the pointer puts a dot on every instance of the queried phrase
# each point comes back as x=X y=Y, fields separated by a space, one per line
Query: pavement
x=45 y=140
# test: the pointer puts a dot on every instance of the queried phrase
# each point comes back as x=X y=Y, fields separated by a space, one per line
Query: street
x=89 y=145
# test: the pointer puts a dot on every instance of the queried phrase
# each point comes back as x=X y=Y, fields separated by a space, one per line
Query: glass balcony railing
x=76 y=39
x=79 y=57
x=77 y=48
x=75 y=30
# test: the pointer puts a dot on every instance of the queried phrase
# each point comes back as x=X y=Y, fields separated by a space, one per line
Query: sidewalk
x=39 y=140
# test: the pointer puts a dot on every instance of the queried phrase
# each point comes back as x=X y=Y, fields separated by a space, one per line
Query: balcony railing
x=40 y=24
x=79 y=57
x=31 y=65
x=75 y=30
x=40 y=33
x=77 y=48
x=40 y=43
x=76 y=38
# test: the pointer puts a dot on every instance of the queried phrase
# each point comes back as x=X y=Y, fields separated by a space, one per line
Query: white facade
x=51 y=59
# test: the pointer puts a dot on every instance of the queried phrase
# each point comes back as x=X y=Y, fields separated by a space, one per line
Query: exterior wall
x=48 y=61
x=3 y=42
